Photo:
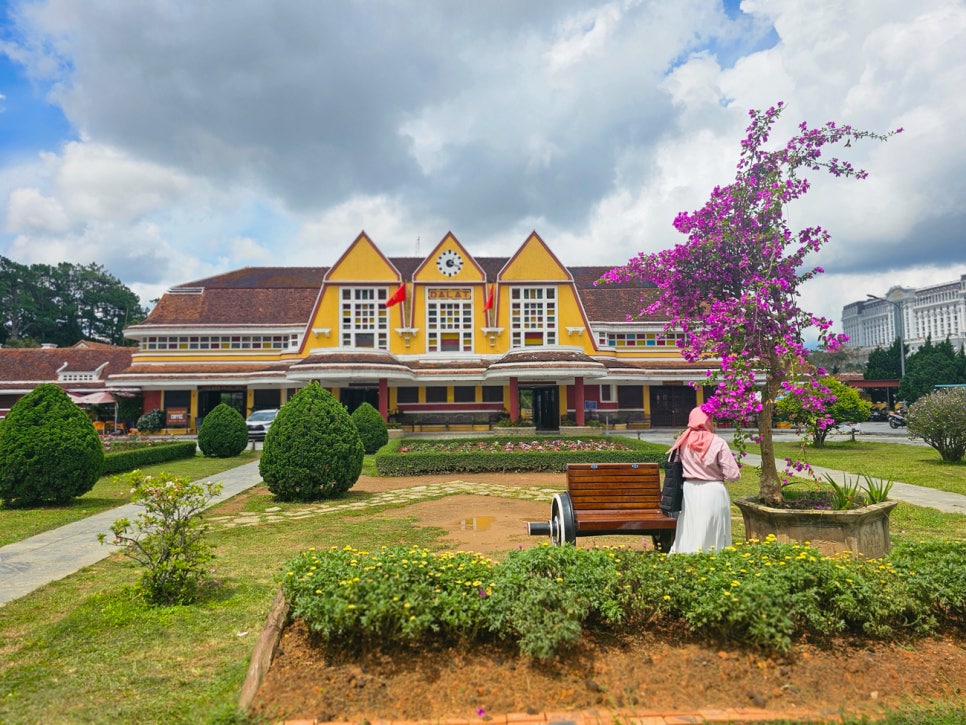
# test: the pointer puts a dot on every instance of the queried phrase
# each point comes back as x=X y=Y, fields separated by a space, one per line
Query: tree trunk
x=770 y=485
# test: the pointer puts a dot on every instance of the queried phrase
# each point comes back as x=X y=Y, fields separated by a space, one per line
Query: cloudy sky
x=170 y=140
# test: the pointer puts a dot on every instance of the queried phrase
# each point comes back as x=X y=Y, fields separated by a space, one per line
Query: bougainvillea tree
x=733 y=288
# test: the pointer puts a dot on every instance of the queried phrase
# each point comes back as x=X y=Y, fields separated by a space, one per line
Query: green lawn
x=918 y=465
x=84 y=649
x=18 y=524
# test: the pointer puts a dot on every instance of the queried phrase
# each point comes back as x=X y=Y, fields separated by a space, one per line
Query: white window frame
x=449 y=317
x=363 y=314
x=533 y=316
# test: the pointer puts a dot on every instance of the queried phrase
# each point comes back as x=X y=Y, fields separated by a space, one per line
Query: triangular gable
x=362 y=262
x=449 y=252
x=534 y=261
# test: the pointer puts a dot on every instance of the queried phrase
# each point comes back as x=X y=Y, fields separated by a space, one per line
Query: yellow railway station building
x=447 y=340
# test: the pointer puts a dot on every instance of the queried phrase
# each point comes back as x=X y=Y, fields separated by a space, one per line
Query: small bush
x=49 y=451
x=765 y=595
x=372 y=428
x=313 y=450
x=151 y=422
x=223 y=433
x=168 y=537
x=397 y=595
x=940 y=420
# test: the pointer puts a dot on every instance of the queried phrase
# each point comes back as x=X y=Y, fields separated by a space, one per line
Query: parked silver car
x=259 y=422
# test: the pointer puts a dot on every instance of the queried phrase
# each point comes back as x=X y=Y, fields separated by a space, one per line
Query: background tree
x=63 y=304
x=929 y=366
x=884 y=364
x=844 y=406
x=733 y=287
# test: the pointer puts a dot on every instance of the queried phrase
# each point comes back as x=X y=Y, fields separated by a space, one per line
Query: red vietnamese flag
x=488 y=305
x=398 y=296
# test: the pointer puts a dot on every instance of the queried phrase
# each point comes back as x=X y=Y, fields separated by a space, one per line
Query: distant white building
x=938 y=312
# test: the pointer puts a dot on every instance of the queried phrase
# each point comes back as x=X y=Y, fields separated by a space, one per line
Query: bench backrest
x=614 y=485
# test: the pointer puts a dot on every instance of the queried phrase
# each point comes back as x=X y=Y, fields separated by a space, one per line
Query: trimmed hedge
x=390 y=462
x=124 y=461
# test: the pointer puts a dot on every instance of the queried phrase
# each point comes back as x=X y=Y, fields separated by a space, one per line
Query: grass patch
x=67 y=645
x=17 y=524
x=918 y=465
x=85 y=649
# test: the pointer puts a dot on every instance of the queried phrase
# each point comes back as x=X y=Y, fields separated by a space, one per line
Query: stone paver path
x=395 y=497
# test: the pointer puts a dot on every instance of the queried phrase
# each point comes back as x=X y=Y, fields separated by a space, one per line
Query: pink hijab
x=699 y=433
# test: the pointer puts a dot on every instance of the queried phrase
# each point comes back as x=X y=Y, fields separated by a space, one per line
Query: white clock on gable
x=449 y=263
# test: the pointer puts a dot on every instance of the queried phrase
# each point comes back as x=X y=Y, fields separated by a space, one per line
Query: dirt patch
x=479 y=523
x=648 y=671
x=644 y=672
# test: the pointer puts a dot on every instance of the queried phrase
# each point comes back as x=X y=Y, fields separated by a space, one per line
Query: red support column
x=514 y=399
x=579 y=400
x=384 y=398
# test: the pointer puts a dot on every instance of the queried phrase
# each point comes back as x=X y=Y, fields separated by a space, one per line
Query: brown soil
x=657 y=672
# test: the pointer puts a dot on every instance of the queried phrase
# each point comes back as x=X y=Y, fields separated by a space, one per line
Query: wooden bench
x=605 y=499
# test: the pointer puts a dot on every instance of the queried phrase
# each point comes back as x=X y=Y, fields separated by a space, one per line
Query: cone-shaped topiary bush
x=223 y=432
x=49 y=450
x=371 y=426
x=313 y=450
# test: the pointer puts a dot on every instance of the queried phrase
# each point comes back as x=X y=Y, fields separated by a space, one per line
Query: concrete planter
x=516 y=431
x=580 y=430
x=863 y=531
x=395 y=433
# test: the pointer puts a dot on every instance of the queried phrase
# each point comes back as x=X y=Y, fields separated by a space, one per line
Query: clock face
x=449 y=262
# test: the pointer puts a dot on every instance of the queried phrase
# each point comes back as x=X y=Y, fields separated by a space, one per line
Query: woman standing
x=704 y=523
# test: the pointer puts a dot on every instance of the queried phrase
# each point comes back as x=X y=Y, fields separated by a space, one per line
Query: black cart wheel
x=563 y=526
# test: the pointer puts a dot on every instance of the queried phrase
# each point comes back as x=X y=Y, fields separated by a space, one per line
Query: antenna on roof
x=417 y=246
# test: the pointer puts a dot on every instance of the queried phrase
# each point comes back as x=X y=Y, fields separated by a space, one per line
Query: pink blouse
x=717 y=464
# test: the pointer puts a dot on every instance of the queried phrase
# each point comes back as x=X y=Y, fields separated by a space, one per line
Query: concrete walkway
x=52 y=555
x=29 y=564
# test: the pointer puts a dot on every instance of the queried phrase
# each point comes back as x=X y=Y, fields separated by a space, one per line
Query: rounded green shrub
x=223 y=432
x=49 y=450
x=940 y=420
x=313 y=450
x=151 y=422
x=372 y=428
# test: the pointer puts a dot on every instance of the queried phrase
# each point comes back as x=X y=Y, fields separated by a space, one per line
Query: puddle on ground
x=477 y=523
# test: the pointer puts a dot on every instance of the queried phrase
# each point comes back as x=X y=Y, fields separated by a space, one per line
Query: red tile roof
x=274 y=296
x=22 y=369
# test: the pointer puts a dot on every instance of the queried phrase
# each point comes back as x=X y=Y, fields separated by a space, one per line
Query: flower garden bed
x=413 y=457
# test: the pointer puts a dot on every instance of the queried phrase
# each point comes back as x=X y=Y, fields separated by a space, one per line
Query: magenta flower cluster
x=733 y=288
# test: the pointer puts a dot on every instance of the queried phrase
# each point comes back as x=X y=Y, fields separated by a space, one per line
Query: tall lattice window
x=449 y=324
x=364 y=320
x=533 y=316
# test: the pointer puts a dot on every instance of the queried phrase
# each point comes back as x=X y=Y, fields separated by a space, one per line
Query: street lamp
x=900 y=331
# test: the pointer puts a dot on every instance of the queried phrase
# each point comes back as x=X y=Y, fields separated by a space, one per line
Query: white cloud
x=208 y=136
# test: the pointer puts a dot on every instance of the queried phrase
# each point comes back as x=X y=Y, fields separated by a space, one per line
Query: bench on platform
x=605 y=499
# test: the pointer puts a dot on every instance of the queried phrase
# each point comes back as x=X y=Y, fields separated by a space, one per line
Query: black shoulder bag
x=672 y=494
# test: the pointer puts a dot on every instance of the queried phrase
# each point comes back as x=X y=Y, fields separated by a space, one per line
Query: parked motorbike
x=879 y=415
x=896 y=420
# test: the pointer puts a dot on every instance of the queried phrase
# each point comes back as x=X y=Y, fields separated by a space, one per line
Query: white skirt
x=704 y=523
